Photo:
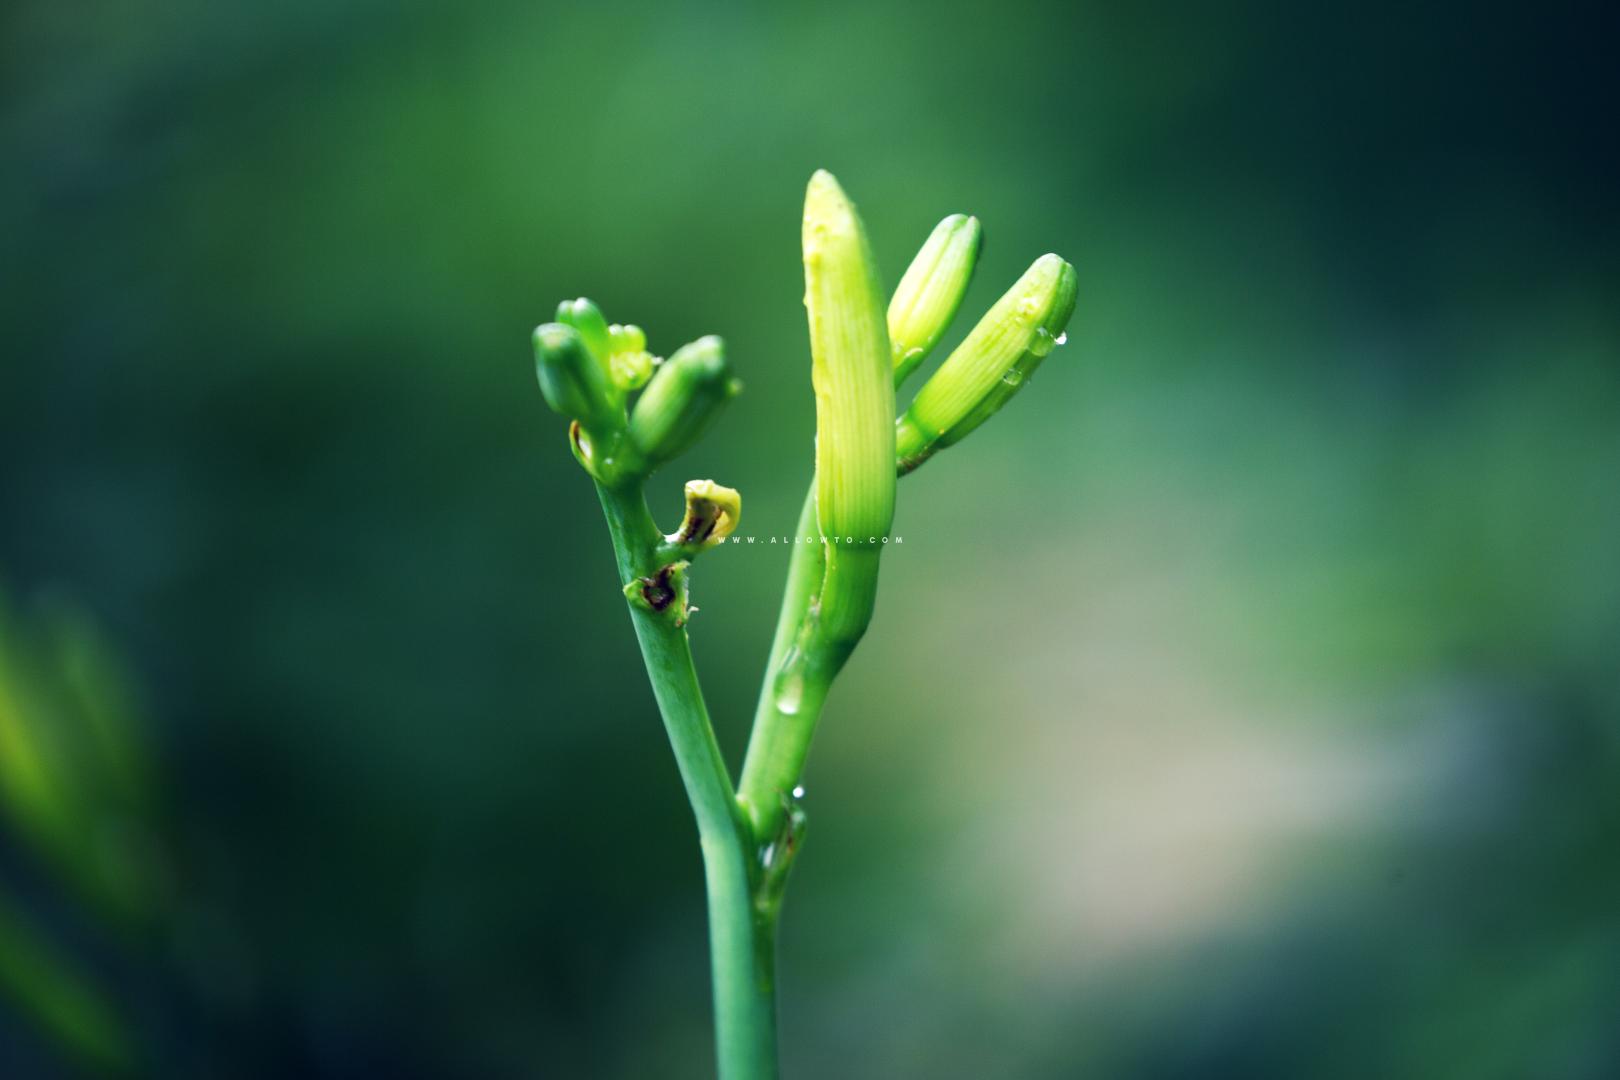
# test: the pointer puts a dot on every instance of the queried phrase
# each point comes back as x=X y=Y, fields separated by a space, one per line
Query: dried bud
x=712 y=514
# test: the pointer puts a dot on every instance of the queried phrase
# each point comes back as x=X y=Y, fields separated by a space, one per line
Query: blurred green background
x=1242 y=703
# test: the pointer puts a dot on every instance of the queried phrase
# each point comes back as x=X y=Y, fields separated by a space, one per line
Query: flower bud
x=586 y=317
x=629 y=339
x=685 y=394
x=931 y=290
x=630 y=365
x=853 y=373
x=991 y=364
x=630 y=370
x=852 y=369
x=571 y=379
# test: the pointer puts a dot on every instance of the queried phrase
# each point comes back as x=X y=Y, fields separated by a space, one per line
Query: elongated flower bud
x=685 y=394
x=931 y=290
x=851 y=368
x=586 y=317
x=572 y=380
x=991 y=364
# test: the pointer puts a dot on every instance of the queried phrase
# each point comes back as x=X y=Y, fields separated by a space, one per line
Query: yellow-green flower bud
x=627 y=338
x=991 y=364
x=572 y=380
x=931 y=290
x=630 y=365
x=685 y=394
x=630 y=370
x=851 y=370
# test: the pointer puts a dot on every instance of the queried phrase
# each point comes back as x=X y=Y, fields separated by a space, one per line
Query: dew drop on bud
x=1042 y=342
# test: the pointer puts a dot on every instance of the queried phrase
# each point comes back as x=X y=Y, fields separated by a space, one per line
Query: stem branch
x=742 y=937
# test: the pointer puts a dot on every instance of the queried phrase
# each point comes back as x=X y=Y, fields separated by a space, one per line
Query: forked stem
x=750 y=834
x=742 y=933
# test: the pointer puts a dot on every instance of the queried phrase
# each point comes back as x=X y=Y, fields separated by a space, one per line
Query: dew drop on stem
x=788 y=690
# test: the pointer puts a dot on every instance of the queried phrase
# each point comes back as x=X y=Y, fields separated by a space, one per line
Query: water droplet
x=1042 y=342
x=1014 y=378
x=798 y=792
x=789 y=690
x=1062 y=339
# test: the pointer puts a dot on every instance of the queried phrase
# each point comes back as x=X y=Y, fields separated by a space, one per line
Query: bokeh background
x=1243 y=701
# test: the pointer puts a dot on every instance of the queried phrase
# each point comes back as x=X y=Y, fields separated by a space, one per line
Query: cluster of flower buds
x=859 y=356
x=860 y=353
x=588 y=368
x=992 y=364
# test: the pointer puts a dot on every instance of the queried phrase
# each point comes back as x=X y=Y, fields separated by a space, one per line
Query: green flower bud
x=852 y=369
x=992 y=363
x=631 y=370
x=628 y=339
x=572 y=380
x=685 y=394
x=853 y=373
x=926 y=300
x=630 y=365
x=586 y=317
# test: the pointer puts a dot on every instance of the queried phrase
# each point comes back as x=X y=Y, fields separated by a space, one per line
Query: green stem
x=742 y=934
x=780 y=739
x=790 y=700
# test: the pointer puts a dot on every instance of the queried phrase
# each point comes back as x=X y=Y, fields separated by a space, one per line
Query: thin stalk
x=805 y=659
x=742 y=935
x=789 y=701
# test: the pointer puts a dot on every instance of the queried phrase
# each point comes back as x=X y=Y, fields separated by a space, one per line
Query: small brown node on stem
x=663 y=592
x=659 y=590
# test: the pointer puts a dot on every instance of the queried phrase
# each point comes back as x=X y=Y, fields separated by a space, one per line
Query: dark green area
x=1243 y=701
